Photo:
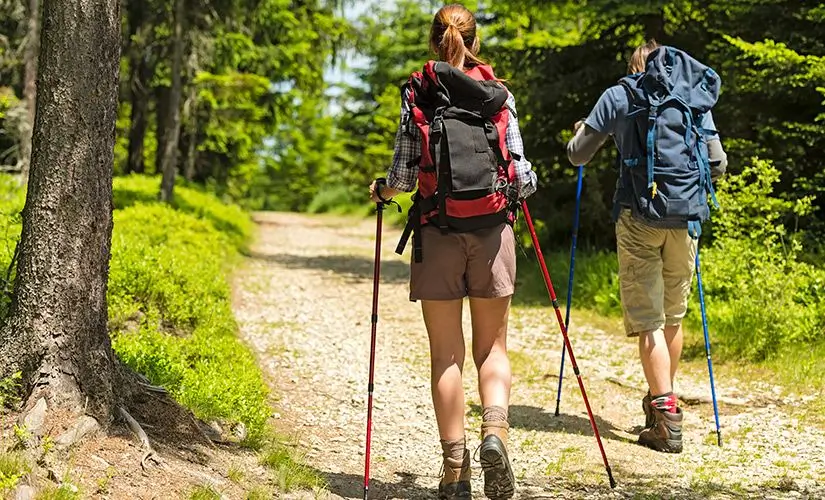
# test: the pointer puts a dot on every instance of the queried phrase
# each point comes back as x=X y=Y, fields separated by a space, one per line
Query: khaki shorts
x=480 y=264
x=655 y=273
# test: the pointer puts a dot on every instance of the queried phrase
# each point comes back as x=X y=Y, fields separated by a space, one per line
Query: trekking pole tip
x=610 y=476
x=557 y=409
x=719 y=437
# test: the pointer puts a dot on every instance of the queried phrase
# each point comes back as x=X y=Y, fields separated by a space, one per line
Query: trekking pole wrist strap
x=384 y=201
x=379 y=184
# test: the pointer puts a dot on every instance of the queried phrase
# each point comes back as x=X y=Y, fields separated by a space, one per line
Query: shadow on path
x=353 y=267
x=533 y=418
x=352 y=486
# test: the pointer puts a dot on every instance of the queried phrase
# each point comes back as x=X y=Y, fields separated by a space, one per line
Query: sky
x=336 y=75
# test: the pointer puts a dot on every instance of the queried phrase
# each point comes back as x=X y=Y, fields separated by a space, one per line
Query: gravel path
x=303 y=302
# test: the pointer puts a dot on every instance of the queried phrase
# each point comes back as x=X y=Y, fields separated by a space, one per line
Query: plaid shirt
x=403 y=174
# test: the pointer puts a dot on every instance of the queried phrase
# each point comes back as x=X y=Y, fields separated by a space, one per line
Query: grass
x=65 y=491
x=235 y=474
x=288 y=471
x=204 y=492
x=13 y=467
x=259 y=493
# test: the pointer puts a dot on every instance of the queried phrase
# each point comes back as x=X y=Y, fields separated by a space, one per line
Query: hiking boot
x=647 y=407
x=499 y=482
x=455 y=483
x=666 y=432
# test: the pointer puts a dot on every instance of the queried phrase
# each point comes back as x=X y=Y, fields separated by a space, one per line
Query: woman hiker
x=466 y=257
x=656 y=259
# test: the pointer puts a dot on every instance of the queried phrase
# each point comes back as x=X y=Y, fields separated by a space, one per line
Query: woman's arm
x=526 y=180
x=403 y=173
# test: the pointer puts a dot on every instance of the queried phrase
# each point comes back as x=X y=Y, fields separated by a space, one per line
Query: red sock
x=665 y=402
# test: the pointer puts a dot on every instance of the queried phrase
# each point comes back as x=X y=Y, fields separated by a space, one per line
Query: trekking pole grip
x=379 y=182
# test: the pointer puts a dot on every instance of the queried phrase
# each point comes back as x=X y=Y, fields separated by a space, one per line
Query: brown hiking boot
x=647 y=407
x=455 y=483
x=499 y=482
x=666 y=432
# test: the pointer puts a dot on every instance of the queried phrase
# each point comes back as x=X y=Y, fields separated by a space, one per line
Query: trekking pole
x=570 y=278
x=707 y=345
x=563 y=328
x=379 y=211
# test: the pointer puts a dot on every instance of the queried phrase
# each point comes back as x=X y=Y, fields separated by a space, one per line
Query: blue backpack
x=665 y=176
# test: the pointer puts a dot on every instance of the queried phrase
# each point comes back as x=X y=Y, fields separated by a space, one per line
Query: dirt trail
x=303 y=302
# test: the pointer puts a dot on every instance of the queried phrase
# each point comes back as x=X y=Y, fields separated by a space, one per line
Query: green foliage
x=13 y=466
x=204 y=493
x=191 y=199
x=9 y=113
x=65 y=491
x=760 y=297
x=596 y=280
x=169 y=303
x=762 y=300
x=12 y=199
x=10 y=390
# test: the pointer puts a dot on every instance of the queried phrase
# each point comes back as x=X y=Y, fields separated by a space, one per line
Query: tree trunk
x=29 y=87
x=56 y=332
x=192 y=134
x=169 y=160
x=161 y=107
x=140 y=72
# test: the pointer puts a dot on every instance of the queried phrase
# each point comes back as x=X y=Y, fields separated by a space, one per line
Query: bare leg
x=443 y=321
x=490 y=350
x=674 y=339
x=653 y=351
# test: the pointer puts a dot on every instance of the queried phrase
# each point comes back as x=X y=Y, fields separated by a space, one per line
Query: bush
x=189 y=198
x=169 y=301
x=170 y=310
x=760 y=296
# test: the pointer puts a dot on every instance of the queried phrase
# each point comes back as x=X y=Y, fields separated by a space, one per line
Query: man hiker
x=669 y=155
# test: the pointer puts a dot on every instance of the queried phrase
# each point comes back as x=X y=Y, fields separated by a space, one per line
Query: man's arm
x=592 y=133
x=584 y=146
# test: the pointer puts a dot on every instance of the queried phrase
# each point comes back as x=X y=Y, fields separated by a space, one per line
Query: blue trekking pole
x=707 y=345
x=570 y=278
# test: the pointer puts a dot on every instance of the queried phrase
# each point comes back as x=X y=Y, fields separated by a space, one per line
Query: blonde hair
x=453 y=36
x=637 y=61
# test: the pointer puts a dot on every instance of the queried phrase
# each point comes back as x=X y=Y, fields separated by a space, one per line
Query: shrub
x=189 y=198
x=760 y=296
x=171 y=315
x=169 y=300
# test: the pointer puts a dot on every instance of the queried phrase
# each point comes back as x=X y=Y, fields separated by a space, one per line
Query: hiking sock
x=665 y=402
x=453 y=450
x=494 y=414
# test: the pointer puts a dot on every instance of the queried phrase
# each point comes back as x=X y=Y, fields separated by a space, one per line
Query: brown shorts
x=480 y=264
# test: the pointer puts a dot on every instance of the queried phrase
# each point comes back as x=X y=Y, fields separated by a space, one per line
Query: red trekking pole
x=379 y=207
x=563 y=328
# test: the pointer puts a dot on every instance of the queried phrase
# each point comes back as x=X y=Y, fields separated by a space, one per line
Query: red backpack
x=466 y=176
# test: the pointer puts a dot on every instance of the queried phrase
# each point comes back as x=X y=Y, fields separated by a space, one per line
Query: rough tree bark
x=169 y=161
x=29 y=86
x=56 y=331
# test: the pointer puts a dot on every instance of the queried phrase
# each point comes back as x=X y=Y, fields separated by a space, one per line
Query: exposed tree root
x=149 y=453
